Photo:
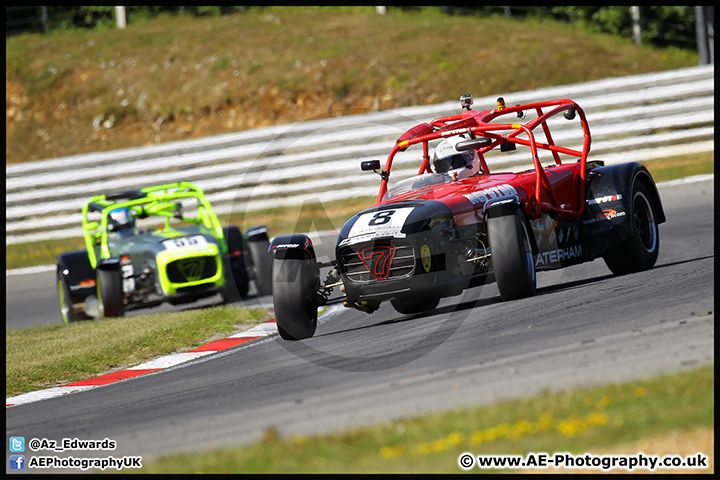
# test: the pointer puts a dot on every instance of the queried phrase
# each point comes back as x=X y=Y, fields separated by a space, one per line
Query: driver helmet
x=121 y=221
x=447 y=159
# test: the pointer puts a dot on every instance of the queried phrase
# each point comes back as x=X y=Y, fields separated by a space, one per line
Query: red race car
x=457 y=225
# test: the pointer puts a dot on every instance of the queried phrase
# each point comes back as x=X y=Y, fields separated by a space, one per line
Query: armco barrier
x=632 y=118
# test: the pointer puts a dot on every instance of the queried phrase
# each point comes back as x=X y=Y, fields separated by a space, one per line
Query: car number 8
x=381 y=218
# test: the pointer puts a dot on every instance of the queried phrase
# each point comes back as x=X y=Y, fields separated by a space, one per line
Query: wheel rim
x=314 y=285
x=644 y=222
x=64 y=308
x=528 y=254
x=101 y=307
x=530 y=266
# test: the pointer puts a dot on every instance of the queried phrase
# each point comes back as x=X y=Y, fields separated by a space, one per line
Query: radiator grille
x=191 y=269
x=378 y=260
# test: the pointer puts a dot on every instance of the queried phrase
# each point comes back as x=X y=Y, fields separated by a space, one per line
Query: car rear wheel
x=110 y=293
x=262 y=264
x=296 y=279
x=511 y=256
x=229 y=290
x=639 y=251
x=237 y=282
x=66 y=304
x=416 y=304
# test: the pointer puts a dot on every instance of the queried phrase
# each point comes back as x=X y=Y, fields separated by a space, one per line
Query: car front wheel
x=511 y=256
x=262 y=264
x=296 y=279
x=110 y=293
x=69 y=314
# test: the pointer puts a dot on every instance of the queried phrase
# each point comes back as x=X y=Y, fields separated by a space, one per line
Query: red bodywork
x=559 y=190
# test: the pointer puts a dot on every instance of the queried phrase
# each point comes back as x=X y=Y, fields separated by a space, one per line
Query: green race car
x=181 y=254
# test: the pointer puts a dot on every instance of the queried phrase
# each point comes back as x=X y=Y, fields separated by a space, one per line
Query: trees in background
x=660 y=26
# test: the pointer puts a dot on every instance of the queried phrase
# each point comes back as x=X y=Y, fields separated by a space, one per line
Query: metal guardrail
x=638 y=117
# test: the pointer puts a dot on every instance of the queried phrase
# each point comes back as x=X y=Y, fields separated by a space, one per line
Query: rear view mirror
x=370 y=165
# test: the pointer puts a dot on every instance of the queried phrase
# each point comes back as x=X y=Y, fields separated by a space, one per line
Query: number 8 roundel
x=383 y=223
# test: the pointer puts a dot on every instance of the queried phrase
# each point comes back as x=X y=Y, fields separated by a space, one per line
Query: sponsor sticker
x=605 y=199
x=426 y=257
x=557 y=255
x=607 y=214
x=482 y=196
x=285 y=245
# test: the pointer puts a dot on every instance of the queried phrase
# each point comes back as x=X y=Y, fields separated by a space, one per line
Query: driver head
x=121 y=221
x=448 y=159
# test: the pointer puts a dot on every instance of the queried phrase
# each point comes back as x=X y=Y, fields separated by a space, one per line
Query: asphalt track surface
x=583 y=327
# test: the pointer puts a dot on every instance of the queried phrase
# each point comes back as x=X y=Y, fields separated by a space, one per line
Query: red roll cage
x=475 y=123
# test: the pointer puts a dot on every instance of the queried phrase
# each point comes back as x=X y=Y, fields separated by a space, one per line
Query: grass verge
x=41 y=357
x=322 y=217
x=575 y=421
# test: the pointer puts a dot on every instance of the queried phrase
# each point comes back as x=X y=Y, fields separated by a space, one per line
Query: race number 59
x=185 y=242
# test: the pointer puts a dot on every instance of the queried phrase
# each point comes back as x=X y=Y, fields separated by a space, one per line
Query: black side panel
x=75 y=266
x=233 y=240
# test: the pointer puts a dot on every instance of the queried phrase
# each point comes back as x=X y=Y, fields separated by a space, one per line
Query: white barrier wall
x=633 y=118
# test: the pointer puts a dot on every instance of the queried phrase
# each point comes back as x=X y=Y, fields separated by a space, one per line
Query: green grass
x=575 y=421
x=667 y=169
x=322 y=217
x=45 y=356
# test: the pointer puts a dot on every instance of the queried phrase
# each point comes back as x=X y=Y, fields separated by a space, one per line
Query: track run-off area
x=584 y=327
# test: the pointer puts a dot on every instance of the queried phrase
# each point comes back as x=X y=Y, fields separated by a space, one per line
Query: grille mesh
x=402 y=265
x=175 y=270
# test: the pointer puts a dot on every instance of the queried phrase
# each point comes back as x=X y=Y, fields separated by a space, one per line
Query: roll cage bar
x=155 y=201
x=475 y=123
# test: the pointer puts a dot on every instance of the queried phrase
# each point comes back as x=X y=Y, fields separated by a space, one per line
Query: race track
x=584 y=327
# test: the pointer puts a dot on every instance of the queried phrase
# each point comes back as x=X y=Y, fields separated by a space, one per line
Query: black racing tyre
x=639 y=251
x=262 y=265
x=511 y=256
x=229 y=290
x=240 y=280
x=235 y=267
x=296 y=279
x=110 y=293
x=415 y=304
x=66 y=303
x=236 y=279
